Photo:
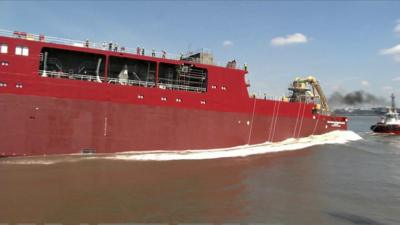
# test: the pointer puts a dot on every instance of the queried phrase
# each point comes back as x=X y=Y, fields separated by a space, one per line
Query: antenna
x=393 y=103
x=189 y=48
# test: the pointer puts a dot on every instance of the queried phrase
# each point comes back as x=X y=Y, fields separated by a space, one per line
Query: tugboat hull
x=390 y=129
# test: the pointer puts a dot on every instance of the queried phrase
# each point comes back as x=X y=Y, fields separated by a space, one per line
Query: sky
x=347 y=45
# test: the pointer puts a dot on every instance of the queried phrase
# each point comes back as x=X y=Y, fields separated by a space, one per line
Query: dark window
x=182 y=77
x=67 y=64
x=127 y=71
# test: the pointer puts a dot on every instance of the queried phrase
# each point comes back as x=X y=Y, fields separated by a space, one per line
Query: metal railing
x=72 y=76
x=96 y=45
x=84 y=44
x=130 y=82
x=180 y=87
x=260 y=96
x=119 y=81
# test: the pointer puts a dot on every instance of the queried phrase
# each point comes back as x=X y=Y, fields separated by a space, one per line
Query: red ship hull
x=33 y=125
x=47 y=115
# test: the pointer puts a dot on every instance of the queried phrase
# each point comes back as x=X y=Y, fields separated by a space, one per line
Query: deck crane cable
x=315 y=126
x=297 y=119
x=271 y=123
x=252 y=119
x=301 y=120
x=276 y=120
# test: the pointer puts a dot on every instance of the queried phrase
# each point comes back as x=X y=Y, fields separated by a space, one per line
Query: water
x=330 y=179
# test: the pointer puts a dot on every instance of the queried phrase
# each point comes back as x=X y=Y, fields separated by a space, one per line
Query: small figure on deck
x=41 y=37
x=87 y=43
x=164 y=54
x=116 y=47
x=231 y=64
x=153 y=52
x=181 y=57
x=110 y=45
x=142 y=51
x=138 y=50
x=245 y=67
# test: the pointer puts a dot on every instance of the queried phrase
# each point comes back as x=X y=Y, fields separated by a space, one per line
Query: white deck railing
x=97 y=45
x=83 y=44
x=119 y=81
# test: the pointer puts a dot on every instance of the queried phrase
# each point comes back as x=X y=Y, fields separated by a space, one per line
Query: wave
x=334 y=137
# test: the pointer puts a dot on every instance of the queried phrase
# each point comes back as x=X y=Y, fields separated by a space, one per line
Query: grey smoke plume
x=356 y=98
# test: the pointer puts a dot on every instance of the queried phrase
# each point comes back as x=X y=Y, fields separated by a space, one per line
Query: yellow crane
x=302 y=92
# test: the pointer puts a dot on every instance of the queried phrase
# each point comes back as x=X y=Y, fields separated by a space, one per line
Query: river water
x=338 y=178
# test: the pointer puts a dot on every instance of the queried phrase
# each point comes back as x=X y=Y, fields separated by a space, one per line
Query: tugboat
x=390 y=123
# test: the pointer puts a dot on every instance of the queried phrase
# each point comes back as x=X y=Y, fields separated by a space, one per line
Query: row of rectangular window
x=19 y=50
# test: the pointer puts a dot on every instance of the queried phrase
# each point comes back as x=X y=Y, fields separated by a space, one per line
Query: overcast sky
x=347 y=45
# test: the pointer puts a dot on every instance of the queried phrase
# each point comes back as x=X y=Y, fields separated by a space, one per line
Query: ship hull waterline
x=37 y=125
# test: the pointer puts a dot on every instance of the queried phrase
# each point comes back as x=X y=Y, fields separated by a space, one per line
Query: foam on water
x=334 y=137
x=45 y=160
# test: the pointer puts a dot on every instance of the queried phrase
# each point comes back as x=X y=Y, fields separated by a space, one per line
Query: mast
x=393 y=103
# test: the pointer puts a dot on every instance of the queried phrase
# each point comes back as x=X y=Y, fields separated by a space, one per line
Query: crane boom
x=301 y=91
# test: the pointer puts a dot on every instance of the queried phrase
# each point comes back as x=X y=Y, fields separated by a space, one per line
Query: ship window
x=182 y=77
x=125 y=71
x=18 y=50
x=4 y=48
x=21 y=50
x=25 y=51
x=74 y=65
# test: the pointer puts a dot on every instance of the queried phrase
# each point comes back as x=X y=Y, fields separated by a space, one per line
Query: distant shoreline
x=343 y=114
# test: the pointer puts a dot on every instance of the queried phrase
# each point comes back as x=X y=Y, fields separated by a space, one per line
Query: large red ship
x=59 y=96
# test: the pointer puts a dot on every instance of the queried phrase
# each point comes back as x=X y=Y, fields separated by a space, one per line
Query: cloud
x=297 y=38
x=365 y=83
x=396 y=79
x=227 y=43
x=397 y=27
x=393 y=51
x=388 y=88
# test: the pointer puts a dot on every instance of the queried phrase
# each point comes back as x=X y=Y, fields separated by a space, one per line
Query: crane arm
x=317 y=90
